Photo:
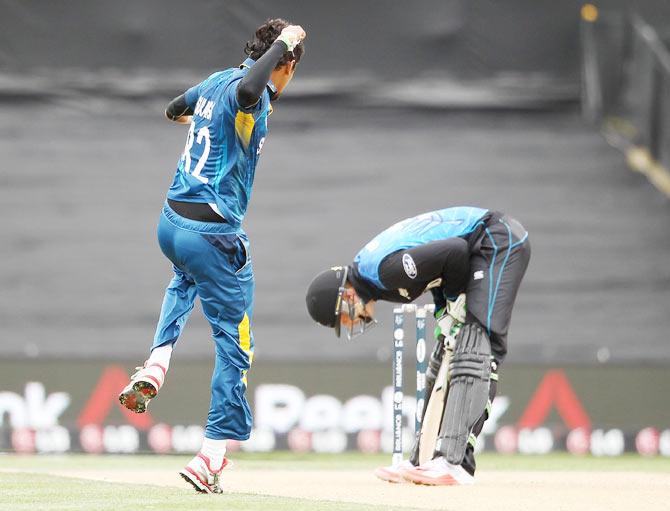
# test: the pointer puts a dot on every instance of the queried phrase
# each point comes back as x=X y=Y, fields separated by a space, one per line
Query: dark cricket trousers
x=498 y=262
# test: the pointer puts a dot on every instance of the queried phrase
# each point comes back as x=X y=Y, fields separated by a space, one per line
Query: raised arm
x=253 y=84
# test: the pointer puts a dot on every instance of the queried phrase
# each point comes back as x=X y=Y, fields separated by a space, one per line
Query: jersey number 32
x=202 y=138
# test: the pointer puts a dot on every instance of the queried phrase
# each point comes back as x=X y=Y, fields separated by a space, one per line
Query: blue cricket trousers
x=212 y=261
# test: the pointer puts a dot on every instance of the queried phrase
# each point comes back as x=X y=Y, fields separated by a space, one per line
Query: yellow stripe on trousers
x=244 y=331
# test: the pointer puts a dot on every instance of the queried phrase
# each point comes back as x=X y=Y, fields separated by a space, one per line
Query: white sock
x=161 y=356
x=215 y=450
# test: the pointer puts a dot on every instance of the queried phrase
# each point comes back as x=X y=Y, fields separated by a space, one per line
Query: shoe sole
x=389 y=477
x=137 y=397
x=445 y=480
x=194 y=481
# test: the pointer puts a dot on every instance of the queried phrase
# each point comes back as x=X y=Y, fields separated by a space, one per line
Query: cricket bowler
x=200 y=232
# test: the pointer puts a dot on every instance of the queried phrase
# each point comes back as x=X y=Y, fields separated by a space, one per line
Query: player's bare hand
x=292 y=36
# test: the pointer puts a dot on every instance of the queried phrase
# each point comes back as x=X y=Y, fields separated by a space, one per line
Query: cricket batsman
x=200 y=232
x=472 y=260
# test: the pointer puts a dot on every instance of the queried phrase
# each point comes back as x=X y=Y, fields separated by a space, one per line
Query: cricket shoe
x=393 y=473
x=199 y=474
x=438 y=472
x=143 y=387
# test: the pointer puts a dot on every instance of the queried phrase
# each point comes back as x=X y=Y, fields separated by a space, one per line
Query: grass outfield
x=28 y=483
x=31 y=492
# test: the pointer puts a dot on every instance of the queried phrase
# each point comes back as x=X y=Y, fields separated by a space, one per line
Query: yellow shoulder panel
x=244 y=126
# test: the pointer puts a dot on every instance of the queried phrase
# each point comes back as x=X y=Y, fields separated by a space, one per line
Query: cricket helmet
x=324 y=296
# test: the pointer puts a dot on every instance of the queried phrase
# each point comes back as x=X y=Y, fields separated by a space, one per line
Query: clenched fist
x=292 y=36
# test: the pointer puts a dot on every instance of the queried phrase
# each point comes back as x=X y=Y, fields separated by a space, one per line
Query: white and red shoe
x=143 y=387
x=438 y=472
x=393 y=473
x=200 y=475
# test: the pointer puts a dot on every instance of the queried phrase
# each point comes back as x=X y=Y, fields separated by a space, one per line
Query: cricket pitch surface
x=509 y=490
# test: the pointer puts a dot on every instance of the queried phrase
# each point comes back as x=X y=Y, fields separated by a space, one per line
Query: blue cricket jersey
x=415 y=231
x=223 y=144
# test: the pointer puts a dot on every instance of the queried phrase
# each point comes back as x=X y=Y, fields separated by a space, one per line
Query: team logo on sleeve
x=409 y=266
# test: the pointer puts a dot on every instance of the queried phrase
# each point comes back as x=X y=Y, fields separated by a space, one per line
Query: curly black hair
x=264 y=37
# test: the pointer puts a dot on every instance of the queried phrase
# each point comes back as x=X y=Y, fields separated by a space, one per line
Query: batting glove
x=451 y=318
